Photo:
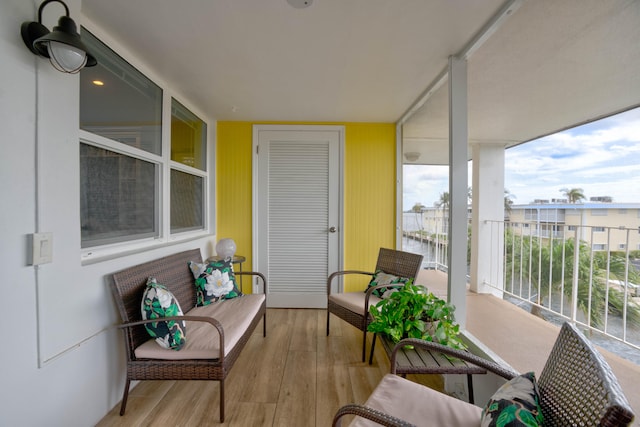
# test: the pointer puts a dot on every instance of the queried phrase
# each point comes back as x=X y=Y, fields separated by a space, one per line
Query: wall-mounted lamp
x=62 y=46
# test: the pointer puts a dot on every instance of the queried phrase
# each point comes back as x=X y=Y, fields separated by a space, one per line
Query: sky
x=602 y=158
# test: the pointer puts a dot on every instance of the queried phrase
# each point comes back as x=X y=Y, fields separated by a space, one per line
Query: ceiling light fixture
x=412 y=156
x=62 y=46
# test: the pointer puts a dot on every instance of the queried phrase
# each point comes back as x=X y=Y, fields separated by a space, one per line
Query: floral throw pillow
x=158 y=302
x=382 y=278
x=214 y=281
x=516 y=403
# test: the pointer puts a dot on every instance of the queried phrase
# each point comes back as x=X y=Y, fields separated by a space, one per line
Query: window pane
x=117 y=197
x=126 y=107
x=188 y=137
x=187 y=196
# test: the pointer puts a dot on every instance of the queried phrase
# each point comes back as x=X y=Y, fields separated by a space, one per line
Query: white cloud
x=423 y=184
x=602 y=158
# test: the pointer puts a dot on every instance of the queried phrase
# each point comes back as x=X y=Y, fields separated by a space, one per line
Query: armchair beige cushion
x=416 y=402
x=353 y=301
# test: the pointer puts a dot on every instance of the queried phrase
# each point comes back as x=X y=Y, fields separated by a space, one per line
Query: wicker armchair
x=576 y=386
x=353 y=307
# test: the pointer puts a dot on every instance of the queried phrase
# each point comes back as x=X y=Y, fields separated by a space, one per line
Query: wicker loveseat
x=576 y=388
x=216 y=333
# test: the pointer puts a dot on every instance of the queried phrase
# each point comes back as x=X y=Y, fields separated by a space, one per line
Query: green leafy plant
x=414 y=312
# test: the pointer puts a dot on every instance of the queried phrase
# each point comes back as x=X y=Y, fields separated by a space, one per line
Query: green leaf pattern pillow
x=158 y=302
x=382 y=278
x=214 y=281
x=515 y=404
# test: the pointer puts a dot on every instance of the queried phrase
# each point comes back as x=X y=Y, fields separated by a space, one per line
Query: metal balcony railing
x=593 y=283
x=540 y=268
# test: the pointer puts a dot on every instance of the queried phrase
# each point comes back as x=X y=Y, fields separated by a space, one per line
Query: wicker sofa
x=576 y=388
x=216 y=333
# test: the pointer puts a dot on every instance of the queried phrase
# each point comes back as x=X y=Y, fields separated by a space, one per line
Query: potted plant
x=413 y=312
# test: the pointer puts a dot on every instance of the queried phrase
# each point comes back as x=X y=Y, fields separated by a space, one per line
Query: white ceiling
x=550 y=64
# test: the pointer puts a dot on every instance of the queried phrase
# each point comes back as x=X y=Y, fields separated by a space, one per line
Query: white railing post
x=576 y=270
x=626 y=289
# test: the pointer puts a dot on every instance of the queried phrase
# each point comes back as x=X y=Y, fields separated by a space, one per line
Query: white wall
x=62 y=361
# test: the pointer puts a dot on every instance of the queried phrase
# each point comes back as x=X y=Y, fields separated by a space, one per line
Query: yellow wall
x=369 y=192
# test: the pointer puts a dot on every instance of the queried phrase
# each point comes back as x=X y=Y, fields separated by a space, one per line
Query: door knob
x=332 y=229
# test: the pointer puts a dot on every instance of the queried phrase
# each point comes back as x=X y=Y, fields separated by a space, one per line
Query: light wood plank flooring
x=296 y=376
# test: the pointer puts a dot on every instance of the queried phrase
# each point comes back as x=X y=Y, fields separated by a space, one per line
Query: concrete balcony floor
x=523 y=340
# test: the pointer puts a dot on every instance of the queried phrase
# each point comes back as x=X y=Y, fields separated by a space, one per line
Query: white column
x=399 y=187
x=458 y=155
x=487 y=238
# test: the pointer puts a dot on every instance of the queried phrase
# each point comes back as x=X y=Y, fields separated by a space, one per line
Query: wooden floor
x=296 y=376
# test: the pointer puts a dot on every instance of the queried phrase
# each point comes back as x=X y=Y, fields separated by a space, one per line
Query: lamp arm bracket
x=46 y=2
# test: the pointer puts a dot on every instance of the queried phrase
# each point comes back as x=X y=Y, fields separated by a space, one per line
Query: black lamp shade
x=66 y=33
x=62 y=46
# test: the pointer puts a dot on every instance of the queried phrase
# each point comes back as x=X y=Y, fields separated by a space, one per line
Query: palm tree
x=444 y=201
x=551 y=266
x=508 y=202
x=574 y=195
x=418 y=207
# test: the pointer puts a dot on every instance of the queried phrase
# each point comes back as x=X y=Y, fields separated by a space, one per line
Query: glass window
x=187 y=195
x=119 y=102
x=117 y=197
x=188 y=137
x=122 y=193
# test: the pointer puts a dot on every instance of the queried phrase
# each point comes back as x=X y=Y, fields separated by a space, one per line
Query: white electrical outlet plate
x=42 y=248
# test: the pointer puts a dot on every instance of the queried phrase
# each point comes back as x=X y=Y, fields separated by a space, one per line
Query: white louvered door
x=297 y=211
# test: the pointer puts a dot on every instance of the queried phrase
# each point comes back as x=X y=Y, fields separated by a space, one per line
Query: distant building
x=601 y=223
x=601 y=199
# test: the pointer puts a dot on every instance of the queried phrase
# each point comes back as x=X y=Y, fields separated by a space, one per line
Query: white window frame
x=163 y=190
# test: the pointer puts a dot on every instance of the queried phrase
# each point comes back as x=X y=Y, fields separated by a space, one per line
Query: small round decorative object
x=226 y=248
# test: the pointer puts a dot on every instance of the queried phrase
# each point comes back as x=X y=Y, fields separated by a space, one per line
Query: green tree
x=549 y=265
x=508 y=202
x=418 y=207
x=444 y=201
x=574 y=195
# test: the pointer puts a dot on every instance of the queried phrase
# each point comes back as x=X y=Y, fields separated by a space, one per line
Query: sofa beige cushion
x=418 y=405
x=204 y=341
